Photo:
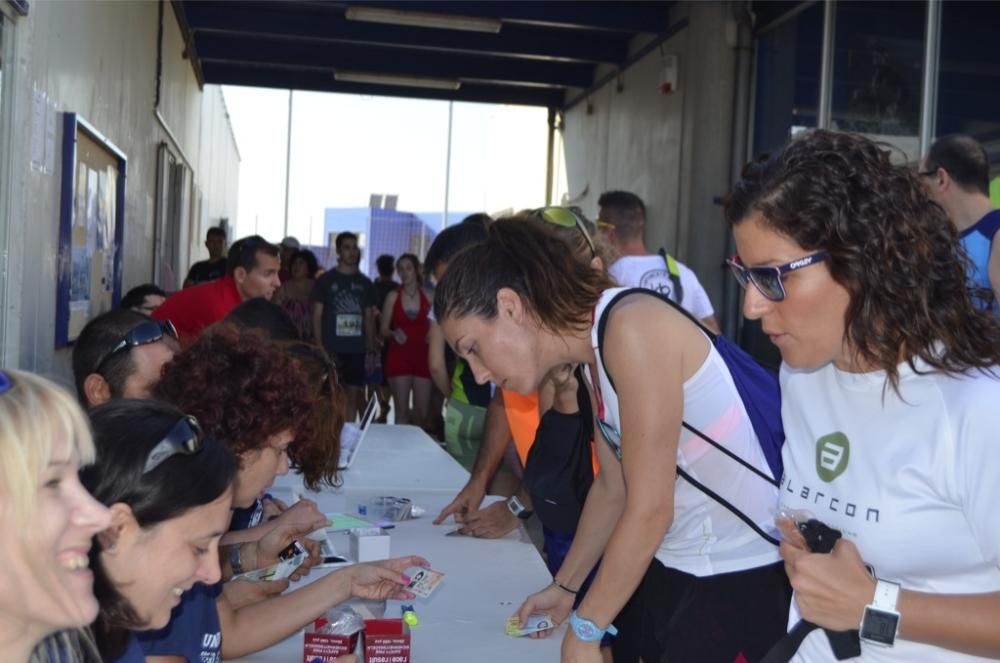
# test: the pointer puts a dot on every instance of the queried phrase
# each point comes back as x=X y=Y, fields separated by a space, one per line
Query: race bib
x=349 y=324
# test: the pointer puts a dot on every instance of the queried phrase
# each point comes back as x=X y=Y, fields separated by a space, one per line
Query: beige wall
x=98 y=59
x=672 y=150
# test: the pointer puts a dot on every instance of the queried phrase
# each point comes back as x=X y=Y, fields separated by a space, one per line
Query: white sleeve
x=977 y=464
x=695 y=298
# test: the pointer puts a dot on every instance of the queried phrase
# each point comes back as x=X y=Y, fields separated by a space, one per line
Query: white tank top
x=705 y=538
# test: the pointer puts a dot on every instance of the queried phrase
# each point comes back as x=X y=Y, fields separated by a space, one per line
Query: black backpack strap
x=706 y=438
x=845 y=644
x=732 y=509
x=602 y=324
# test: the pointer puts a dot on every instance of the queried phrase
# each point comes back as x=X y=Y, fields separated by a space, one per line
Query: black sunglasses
x=148 y=331
x=184 y=438
x=767 y=280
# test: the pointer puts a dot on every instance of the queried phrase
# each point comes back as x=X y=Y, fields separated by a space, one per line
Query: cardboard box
x=326 y=647
x=386 y=641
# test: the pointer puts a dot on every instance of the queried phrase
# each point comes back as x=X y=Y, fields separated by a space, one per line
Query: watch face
x=585 y=631
x=879 y=627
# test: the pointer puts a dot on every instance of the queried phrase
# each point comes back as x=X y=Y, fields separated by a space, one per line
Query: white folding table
x=486 y=579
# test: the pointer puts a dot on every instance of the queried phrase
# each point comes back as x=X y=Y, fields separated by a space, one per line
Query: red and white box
x=324 y=646
x=387 y=641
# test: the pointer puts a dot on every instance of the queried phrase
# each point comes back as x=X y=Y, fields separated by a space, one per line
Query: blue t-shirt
x=133 y=652
x=978 y=243
x=248 y=517
x=194 y=631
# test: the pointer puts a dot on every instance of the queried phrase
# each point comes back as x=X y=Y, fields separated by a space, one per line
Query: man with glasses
x=120 y=354
x=622 y=217
x=956 y=174
x=251 y=271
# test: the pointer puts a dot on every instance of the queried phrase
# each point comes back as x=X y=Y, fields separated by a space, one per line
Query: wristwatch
x=518 y=509
x=880 y=623
x=234 y=560
x=588 y=631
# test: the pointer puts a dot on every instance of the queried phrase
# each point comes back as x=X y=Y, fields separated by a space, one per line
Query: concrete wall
x=99 y=59
x=672 y=150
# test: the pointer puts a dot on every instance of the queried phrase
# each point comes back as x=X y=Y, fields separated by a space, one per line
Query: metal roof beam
x=320 y=81
x=291 y=21
x=375 y=59
x=621 y=15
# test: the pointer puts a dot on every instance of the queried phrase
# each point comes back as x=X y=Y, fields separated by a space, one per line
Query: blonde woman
x=47 y=518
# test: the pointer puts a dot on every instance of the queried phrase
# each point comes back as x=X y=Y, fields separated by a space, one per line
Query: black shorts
x=675 y=617
x=350 y=369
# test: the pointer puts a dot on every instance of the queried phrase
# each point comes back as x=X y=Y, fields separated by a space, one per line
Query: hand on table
x=492 y=522
x=831 y=589
x=468 y=499
x=382 y=580
x=241 y=593
x=558 y=603
x=575 y=650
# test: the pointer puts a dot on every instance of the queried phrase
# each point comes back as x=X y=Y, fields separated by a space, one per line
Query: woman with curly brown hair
x=316 y=453
x=249 y=392
x=890 y=399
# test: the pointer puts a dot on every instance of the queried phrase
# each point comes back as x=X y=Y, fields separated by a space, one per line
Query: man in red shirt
x=251 y=271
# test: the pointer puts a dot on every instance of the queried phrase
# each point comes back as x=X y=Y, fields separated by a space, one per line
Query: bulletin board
x=91 y=228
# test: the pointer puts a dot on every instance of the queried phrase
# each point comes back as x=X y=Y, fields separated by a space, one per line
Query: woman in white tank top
x=682 y=578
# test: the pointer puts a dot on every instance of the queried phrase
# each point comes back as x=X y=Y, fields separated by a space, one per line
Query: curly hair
x=316 y=452
x=890 y=247
x=533 y=260
x=241 y=385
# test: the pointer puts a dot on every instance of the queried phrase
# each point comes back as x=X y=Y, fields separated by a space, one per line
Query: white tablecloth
x=485 y=582
x=398 y=459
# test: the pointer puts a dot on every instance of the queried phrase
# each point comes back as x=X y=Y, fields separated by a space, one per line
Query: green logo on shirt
x=832 y=453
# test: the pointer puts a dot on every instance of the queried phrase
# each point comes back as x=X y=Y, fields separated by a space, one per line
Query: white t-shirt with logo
x=705 y=539
x=650 y=272
x=913 y=482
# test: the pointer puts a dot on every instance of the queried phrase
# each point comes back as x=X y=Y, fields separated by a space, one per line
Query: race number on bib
x=349 y=324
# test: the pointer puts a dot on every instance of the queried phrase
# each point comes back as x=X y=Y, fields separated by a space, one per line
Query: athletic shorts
x=350 y=368
x=676 y=617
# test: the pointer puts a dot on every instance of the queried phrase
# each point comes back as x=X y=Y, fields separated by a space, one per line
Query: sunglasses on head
x=767 y=280
x=184 y=438
x=566 y=218
x=148 y=331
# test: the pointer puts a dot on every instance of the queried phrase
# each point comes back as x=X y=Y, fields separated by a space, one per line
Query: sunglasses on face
x=184 y=438
x=767 y=280
x=566 y=218
x=149 y=331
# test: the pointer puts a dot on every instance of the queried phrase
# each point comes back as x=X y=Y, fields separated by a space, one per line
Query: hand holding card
x=424 y=582
x=534 y=624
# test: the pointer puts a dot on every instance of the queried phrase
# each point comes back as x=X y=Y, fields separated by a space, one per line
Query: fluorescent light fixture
x=424 y=19
x=396 y=79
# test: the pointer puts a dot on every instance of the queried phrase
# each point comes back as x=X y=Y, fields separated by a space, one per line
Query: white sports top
x=705 y=538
